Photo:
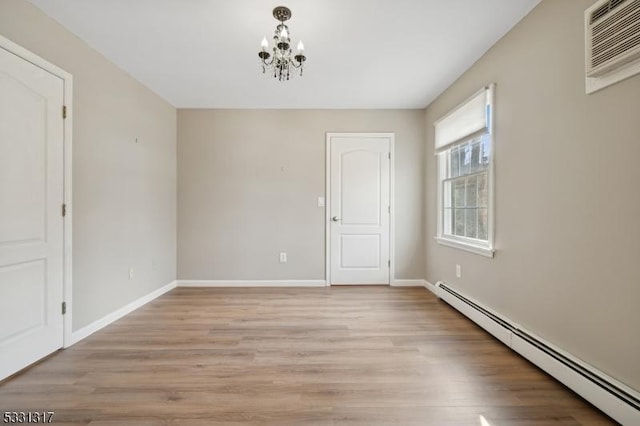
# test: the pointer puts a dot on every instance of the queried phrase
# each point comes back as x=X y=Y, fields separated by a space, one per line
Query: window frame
x=473 y=245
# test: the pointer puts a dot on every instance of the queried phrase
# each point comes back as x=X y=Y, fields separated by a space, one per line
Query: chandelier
x=281 y=62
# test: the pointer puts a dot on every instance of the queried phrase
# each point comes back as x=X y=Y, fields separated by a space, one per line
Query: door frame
x=327 y=220
x=67 y=79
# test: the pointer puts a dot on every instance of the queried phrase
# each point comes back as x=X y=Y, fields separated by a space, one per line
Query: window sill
x=483 y=251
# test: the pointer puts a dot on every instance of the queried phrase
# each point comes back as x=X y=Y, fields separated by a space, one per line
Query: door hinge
x=64 y=210
x=64 y=111
x=389 y=263
x=389 y=209
x=64 y=308
x=389 y=156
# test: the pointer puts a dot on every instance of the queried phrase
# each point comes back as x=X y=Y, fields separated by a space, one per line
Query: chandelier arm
x=293 y=63
x=267 y=63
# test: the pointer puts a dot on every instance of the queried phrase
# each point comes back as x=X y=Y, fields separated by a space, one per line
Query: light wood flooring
x=316 y=356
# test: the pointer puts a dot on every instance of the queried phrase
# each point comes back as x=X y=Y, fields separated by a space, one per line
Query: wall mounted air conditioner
x=612 y=42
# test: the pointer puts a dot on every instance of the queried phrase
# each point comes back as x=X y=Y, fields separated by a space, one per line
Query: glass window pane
x=483 y=193
x=465 y=198
x=455 y=162
x=469 y=157
x=472 y=221
x=476 y=160
x=465 y=159
x=483 y=224
x=458 y=192
x=458 y=225
x=472 y=191
x=467 y=153
x=486 y=150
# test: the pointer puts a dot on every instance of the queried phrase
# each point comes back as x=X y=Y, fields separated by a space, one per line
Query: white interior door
x=31 y=222
x=359 y=203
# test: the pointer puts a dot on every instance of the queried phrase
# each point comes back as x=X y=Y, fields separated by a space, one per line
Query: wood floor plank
x=335 y=356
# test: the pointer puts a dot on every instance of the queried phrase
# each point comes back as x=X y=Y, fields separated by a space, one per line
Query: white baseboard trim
x=408 y=283
x=586 y=380
x=252 y=283
x=432 y=288
x=415 y=283
x=291 y=283
x=88 y=330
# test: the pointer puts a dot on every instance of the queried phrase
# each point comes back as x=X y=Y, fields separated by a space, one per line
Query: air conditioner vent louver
x=604 y=9
x=615 y=51
x=612 y=38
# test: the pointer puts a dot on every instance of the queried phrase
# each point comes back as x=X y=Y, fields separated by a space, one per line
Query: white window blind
x=470 y=117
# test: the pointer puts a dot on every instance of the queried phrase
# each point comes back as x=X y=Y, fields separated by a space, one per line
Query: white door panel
x=359 y=251
x=360 y=188
x=31 y=222
x=23 y=219
x=359 y=202
x=24 y=285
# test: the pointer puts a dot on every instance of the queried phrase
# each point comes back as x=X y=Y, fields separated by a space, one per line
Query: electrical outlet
x=283 y=257
x=130 y=273
x=458 y=271
x=320 y=201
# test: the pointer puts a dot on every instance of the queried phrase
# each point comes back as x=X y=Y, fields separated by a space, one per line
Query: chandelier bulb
x=283 y=34
x=265 y=44
x=300 y=47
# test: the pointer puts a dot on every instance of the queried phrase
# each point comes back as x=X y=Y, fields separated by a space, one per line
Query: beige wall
x=124 y=194
x=237 y=208
x=567 y=198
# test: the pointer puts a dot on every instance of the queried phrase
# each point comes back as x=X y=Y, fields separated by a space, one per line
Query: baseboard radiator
x=615 y=399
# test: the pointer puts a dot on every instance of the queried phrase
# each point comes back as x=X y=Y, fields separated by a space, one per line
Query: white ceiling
x=361 y=53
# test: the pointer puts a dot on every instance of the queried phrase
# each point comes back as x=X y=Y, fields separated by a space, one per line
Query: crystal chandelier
x=281 y=61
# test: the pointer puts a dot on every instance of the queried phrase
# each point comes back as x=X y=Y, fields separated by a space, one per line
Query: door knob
x=335 y=218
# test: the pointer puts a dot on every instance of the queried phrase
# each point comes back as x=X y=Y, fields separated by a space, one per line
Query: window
x=464 y=154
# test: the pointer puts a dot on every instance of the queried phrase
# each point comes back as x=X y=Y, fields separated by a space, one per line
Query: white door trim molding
x=67 y=78
x=327 y=222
